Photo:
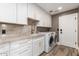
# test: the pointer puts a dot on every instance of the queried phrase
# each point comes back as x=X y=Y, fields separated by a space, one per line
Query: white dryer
x=50 y=41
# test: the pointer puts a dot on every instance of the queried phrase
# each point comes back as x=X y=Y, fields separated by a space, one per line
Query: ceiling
x=48 y=7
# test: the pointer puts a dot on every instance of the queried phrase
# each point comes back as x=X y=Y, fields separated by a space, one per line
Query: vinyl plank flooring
x=61 y=50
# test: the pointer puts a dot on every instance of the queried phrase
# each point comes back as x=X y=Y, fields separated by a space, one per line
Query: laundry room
x=39 y=29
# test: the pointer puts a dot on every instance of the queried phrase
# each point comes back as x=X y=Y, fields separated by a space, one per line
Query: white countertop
x=30 y=37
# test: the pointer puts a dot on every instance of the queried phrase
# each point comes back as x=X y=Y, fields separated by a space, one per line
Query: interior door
x=68 y=30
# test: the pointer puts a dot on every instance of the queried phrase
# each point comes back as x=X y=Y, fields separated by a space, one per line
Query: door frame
x=59 y=43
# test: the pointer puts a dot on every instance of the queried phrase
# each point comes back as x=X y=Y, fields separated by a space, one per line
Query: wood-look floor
x=61 y=50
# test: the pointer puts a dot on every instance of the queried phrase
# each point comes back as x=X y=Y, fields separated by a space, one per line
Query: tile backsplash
x=15 y=30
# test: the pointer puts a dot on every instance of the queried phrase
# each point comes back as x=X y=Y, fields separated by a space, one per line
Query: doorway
x=68 y=30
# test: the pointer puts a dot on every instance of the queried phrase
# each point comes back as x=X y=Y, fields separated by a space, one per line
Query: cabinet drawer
x=26 y=53
x=4 y=54
x=4 y=47
x=21 y=41
x=20 y=51
x=20 y=44
x=21 y=48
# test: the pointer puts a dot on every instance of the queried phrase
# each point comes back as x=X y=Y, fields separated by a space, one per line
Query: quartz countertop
x=22 y=37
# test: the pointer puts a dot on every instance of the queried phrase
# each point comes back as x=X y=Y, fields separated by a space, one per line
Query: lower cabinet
x=38 y=46
x=41 y=45
x=35 y=47
x=21 y=48
x=4 y=49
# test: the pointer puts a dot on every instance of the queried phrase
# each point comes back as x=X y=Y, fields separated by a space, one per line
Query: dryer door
x=51 y=41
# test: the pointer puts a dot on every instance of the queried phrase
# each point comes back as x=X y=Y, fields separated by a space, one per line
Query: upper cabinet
x=13 y=13
x=38 y=13
x=21 y=13
x=47 y=20
x=31 y=11
x=8 y=12
x=44 y=18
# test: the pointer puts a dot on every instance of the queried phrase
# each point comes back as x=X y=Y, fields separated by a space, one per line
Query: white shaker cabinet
x=8 y=12
x=47 y=20
x=32 y=11
x=41 y=15
x=44 y=18
x=4 y=49
x=38 y=46
x=41 y=45
x=21 y=48
x=35 y=47
x=37 y=13
x=21 y=13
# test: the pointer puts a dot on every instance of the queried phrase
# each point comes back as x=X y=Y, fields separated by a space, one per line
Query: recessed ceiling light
x=59 y=8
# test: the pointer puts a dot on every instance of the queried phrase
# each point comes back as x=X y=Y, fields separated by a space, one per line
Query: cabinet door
x=32 y=11
x=41 y=45
x=35 y=47
x=43 y=17
x=4 y=49
x=38 y=46
x=22 y=13
x=8 y=12
x=39 y=16
x=4 y=54
x=21 y=48
x=48 y=21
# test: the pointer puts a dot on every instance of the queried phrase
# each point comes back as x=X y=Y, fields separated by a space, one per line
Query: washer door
x=51 y=41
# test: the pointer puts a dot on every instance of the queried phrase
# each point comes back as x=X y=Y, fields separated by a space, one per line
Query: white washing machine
x=50 y=41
